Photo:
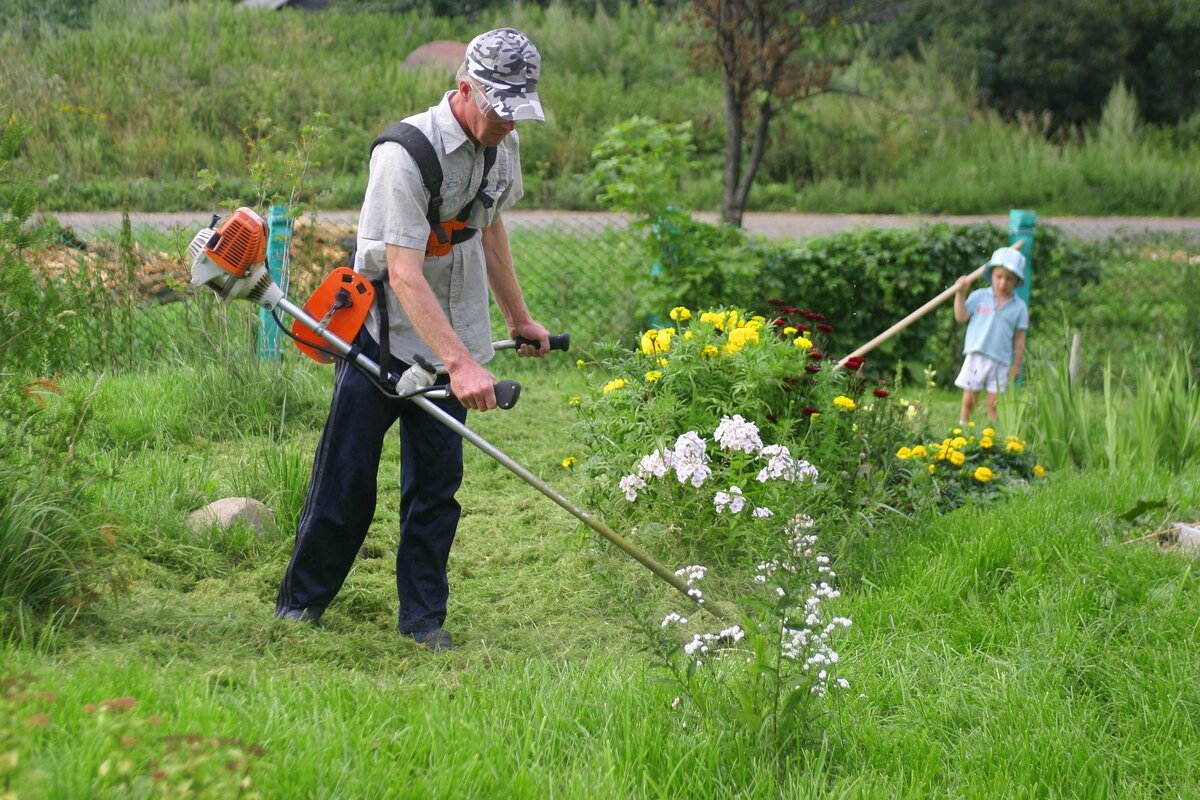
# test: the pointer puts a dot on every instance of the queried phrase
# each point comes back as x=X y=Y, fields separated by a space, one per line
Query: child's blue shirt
x=991 y=329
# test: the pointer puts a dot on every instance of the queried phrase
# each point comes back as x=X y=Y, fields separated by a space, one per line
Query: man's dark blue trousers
x=341 y=499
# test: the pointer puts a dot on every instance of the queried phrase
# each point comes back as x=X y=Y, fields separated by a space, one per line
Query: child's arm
x=962 y=286
x=1018 y=354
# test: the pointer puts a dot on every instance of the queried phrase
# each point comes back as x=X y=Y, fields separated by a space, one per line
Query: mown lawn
x=1025 y=648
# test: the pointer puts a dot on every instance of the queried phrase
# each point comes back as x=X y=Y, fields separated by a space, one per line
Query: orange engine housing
x=241 y=242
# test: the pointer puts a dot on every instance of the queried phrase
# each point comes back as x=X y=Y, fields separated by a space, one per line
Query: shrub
x=970 y=465
x=772 y=373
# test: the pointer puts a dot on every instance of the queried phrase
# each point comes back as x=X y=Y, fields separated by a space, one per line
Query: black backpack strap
x=489 y=158
x=385 y=339
x=411 y=139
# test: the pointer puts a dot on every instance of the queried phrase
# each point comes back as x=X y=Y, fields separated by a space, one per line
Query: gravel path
x=778 y=225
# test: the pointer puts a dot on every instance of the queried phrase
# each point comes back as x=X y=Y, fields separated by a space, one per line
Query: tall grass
x=1150 y=416
x=135 y=105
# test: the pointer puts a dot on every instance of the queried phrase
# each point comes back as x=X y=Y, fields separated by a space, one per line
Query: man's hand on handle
x=535 y=332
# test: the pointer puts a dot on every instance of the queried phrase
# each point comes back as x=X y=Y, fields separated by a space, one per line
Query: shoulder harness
x=442 y=235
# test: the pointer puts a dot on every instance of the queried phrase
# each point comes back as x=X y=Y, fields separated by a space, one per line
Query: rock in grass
x=1189 y=536
x=230 y=511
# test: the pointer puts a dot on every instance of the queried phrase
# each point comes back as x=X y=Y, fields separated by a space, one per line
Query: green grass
x=131 y=108
x=1017 y=649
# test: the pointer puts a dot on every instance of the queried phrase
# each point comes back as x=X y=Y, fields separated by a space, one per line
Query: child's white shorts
x=980 y=372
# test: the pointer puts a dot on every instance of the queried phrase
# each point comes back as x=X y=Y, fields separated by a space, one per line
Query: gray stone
x=230 y=511
x=1189 y=536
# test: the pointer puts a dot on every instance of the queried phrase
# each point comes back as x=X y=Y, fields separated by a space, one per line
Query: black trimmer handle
x=558 y=341
x=507 y=393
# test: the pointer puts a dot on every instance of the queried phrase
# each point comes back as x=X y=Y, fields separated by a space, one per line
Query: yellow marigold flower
x=932 y=469
x=988 y=432
x=680 y=314
x=581 y=363
x=957 y=431
x=957 y=458
x=970 y=424
x=654 y=342
x=803 y=343
x=708 y=351
x=741 y=337
x=1039 y=471
x=615 y=383
x=789 y=330
x=687 y=334
x=919 y=451
x=904 y=454
x=713 y=318
x=663 y=362
x=986 y=442
x=983 y=475
x=843 y=402
x=1014 y=447
x=958 y=441
x=569 y=462
x=575 y=400
x=653 y=375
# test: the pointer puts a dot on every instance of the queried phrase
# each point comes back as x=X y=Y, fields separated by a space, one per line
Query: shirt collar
x=453 y=136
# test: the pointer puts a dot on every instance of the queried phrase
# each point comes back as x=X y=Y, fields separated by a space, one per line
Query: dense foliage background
x=950 y=107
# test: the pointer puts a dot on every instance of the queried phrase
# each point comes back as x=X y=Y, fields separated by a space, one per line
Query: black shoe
x=436 y=639
x=302 y=615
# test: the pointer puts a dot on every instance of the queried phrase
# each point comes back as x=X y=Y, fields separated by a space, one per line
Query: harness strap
x=442 y=235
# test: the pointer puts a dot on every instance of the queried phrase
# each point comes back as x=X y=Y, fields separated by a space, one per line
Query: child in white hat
x=995 y=341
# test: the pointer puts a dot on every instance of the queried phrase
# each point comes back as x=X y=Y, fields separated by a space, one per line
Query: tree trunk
x=731 y=206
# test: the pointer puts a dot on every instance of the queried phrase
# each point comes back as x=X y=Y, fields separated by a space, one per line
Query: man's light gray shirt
x=393 y=212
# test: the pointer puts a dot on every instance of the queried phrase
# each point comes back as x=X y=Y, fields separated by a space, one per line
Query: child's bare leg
x=991 y=406
x=968 y=405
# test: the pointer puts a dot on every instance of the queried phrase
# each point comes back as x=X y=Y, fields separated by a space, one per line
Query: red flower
x=780 y=322
x=881 y=393
x=809 y=410
x=815 y=355
x=804 y=312
x=803 y=328
x=825 y=328
x=854 y=362
x=776 y=302
x=813 y=368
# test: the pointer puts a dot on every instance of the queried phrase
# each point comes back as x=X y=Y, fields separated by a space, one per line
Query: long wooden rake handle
x=915 y=315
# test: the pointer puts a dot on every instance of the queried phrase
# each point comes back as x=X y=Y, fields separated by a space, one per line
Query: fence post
x=1021 y=225
x=279 y=236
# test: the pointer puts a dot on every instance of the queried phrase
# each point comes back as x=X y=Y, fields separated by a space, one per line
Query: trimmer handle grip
x=558 y=341
x=507 y=393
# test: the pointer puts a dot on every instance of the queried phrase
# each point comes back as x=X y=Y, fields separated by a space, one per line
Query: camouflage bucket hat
x=506 y=65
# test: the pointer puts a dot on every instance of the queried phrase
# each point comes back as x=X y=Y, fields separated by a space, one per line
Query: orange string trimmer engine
x=241 y=242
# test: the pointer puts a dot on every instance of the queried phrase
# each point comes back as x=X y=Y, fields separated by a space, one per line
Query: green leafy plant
x=766 y=675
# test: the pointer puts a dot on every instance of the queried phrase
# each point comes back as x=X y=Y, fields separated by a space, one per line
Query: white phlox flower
x=781 y=465
x=630 y=485
x=762 y=513
x=690 y=460
x=693 y=573
x=656 y=464
x=673 y=619
x=733 y=500
x=690 y=447
x=735 y=433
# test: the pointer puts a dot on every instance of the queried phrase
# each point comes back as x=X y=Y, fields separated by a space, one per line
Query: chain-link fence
x=118 y=292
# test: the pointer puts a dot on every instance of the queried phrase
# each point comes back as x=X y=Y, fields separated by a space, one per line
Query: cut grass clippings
x=1010 y=650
